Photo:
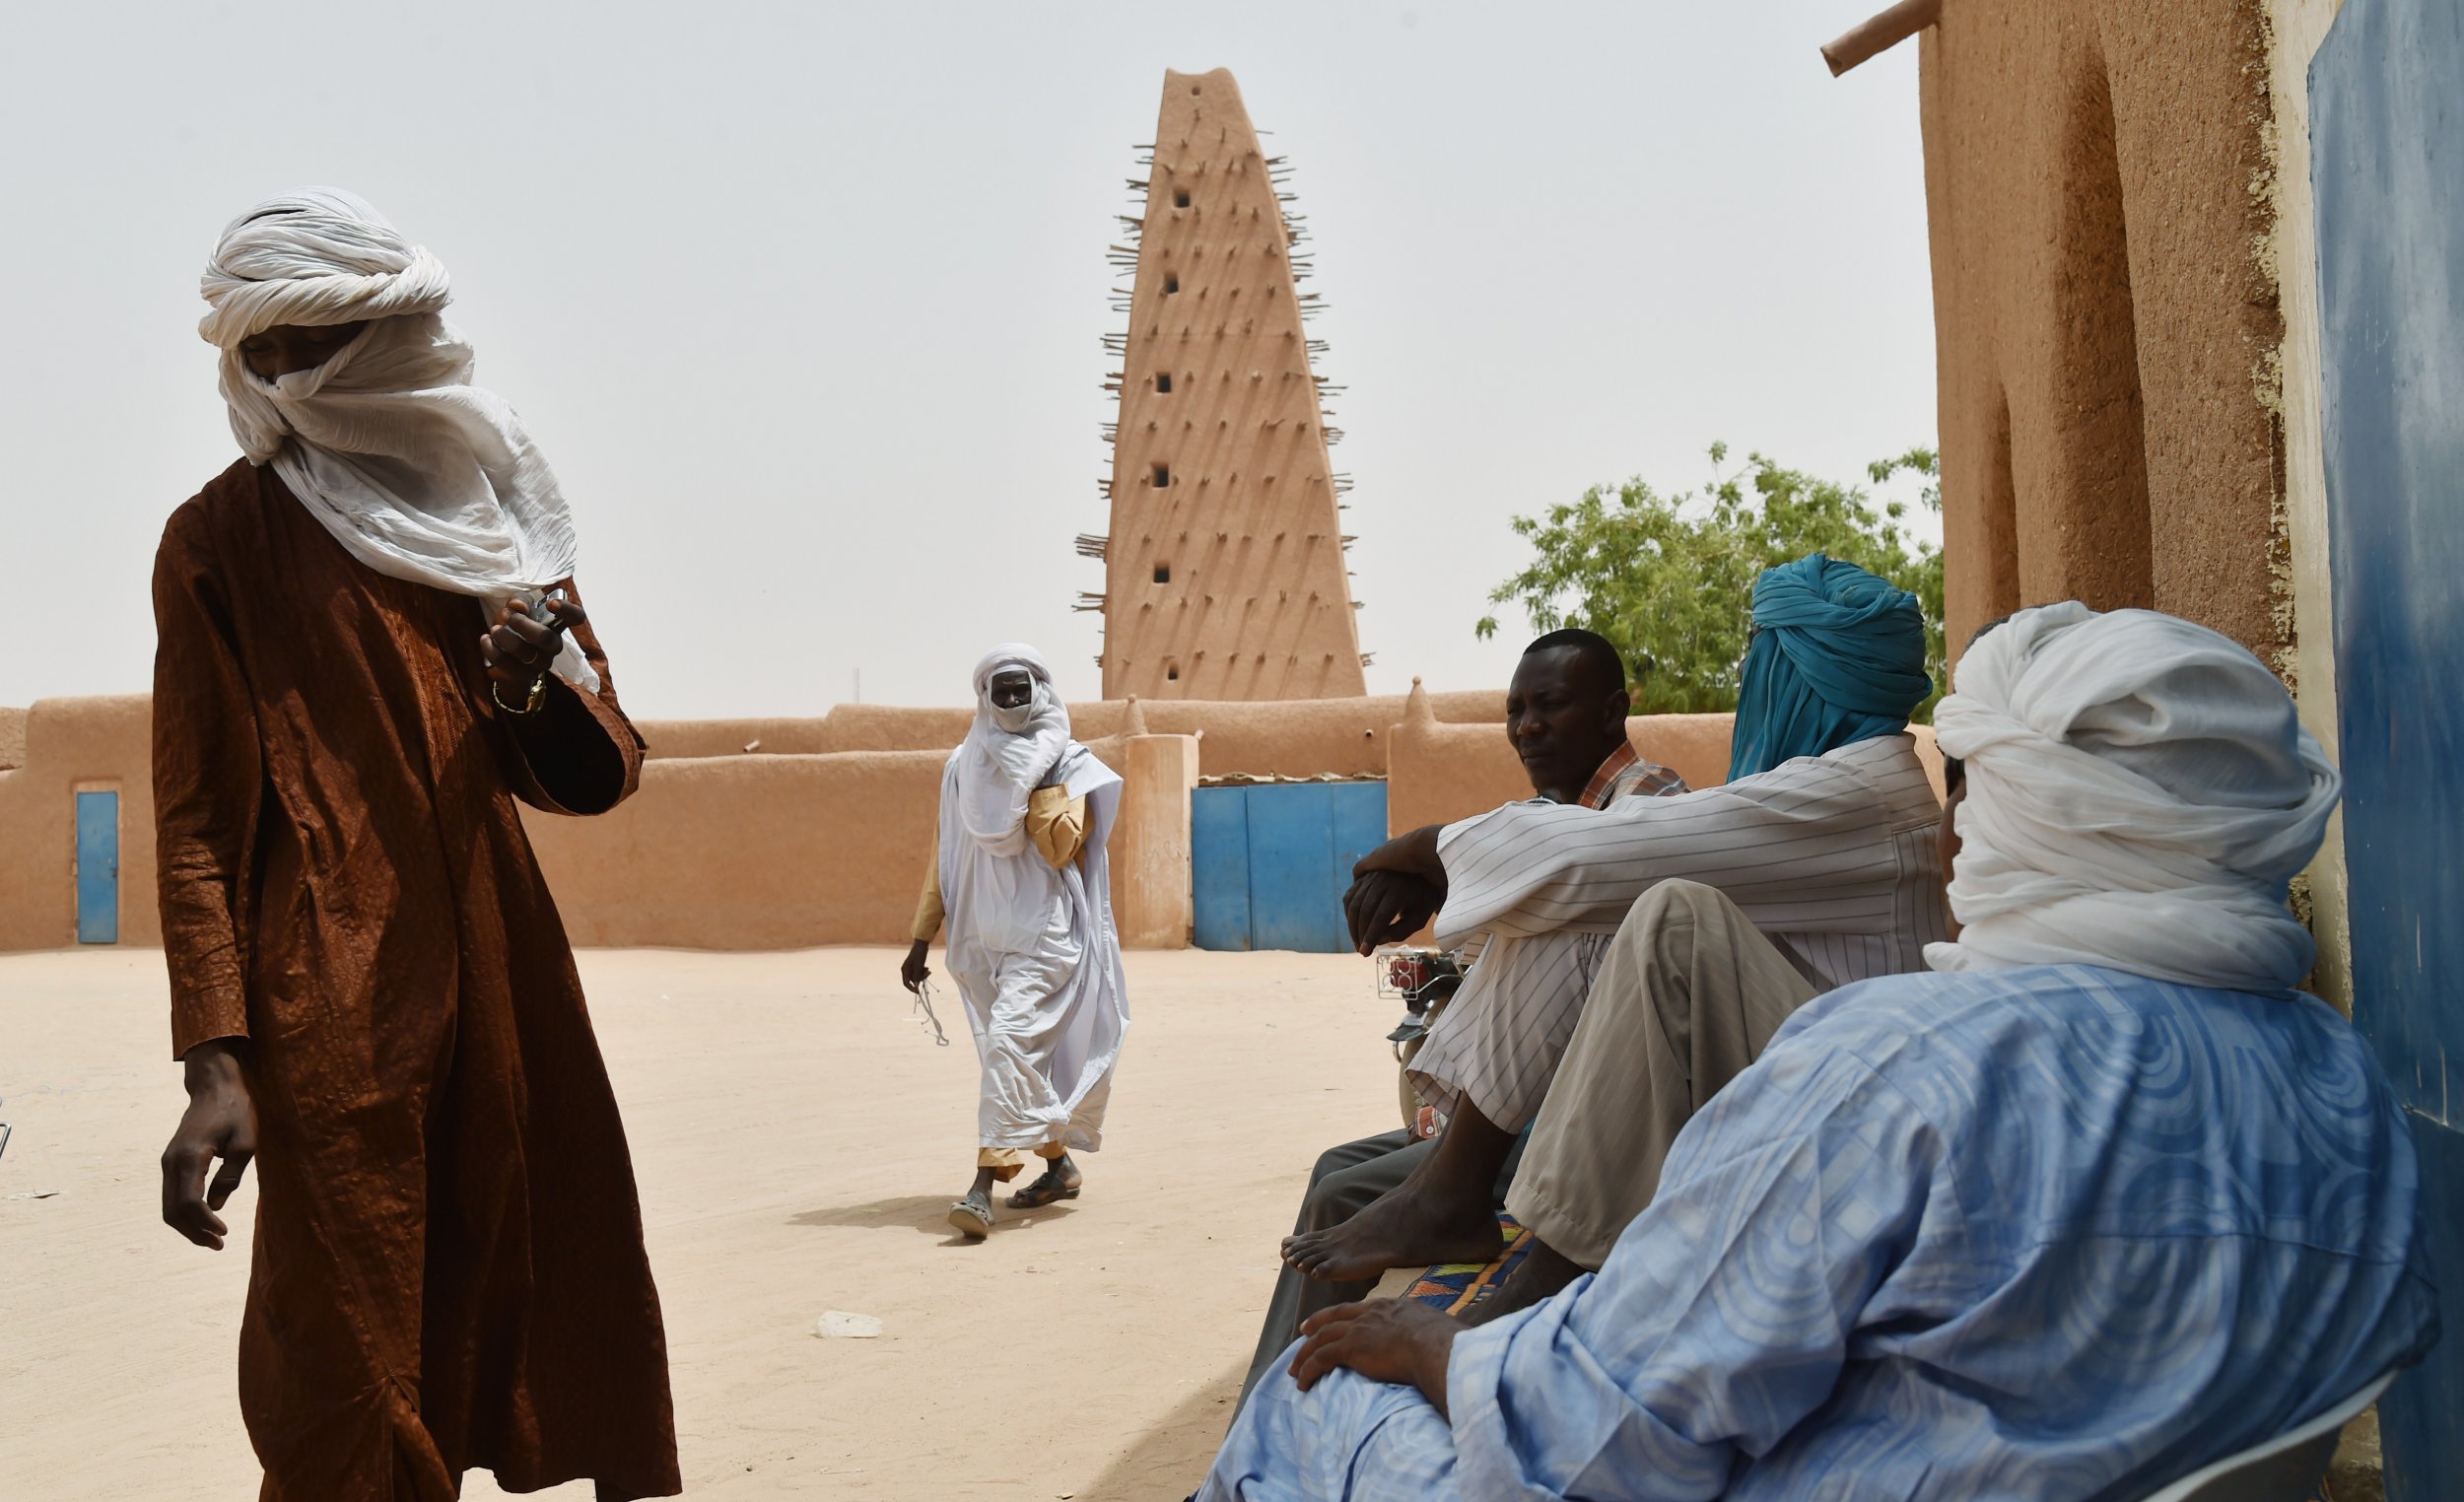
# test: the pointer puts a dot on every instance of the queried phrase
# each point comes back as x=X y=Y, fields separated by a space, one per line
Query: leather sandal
x=1044 y=1190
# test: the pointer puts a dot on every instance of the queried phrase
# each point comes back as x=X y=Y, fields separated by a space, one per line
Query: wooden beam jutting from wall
x=1880 y=33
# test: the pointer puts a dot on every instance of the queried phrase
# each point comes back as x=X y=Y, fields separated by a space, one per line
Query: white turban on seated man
x=2101 y=1201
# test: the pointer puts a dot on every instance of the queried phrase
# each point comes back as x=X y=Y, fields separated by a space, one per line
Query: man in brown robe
x=371 y=991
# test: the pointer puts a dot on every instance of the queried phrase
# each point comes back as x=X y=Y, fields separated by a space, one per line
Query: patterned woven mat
x=1456 y=1286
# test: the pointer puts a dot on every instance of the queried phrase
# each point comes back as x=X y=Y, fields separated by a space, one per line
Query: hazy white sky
x=804 y=301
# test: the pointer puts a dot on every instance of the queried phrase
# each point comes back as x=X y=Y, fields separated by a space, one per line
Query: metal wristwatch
x=530 y=705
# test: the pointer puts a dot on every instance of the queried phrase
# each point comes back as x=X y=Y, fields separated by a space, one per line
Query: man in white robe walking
x=1021 y=876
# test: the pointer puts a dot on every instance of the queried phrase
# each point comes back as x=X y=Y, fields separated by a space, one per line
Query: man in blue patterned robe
x=2103 y=1201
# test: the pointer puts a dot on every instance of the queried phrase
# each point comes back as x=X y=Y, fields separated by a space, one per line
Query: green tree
x=1669 y=578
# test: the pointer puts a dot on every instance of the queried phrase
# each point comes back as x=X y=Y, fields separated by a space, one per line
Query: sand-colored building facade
x=817 y=831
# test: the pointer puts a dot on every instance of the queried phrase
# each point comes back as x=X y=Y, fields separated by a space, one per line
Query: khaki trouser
x=1498 y=1043
x=1686 y=995
x=1006 y=1162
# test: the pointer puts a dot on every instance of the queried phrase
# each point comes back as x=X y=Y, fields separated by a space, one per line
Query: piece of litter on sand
x=839 y=1324
x=32 y=1194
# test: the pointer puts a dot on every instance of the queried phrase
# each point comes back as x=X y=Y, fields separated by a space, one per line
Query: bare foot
x=1408 y=1226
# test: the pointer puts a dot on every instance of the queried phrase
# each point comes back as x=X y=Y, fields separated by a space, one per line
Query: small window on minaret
x=1172 y=283
x=1180 y=198
x=1172 y=674
x=1163 y=381
x=1163 y=574
x=1163 y=476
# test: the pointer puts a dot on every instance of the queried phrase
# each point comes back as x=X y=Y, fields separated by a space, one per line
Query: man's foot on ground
x=1057 y=1182
x=1407 y=1227
x=1543 y=1271
x=972 y=1215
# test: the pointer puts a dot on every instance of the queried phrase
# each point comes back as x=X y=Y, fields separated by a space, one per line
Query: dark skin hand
x=1399 y=1340
x=1565 y=716
x=518 y=650
x=220 y=1123
x=294 y=347
x=1395 y=890
x=1389 y=907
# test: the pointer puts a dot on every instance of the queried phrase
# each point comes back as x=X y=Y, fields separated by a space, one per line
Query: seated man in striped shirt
x=1565 y=716
x=1813 y=867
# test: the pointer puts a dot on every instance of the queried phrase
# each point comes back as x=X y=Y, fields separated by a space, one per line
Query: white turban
x=419 y=474
x=1010 y=753
x=2140 y=792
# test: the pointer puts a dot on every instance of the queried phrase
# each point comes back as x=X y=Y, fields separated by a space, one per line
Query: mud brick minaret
x=1223 y=572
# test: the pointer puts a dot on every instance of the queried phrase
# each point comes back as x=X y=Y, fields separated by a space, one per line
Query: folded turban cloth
x=2140 y=795
x=1008 y=753
x=1839 y=658
x=416 y=472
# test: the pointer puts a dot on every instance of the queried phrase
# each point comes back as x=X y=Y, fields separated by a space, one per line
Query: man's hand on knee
x=1400 y=1340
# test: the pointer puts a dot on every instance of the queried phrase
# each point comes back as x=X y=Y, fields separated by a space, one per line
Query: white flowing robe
x=1038 y=963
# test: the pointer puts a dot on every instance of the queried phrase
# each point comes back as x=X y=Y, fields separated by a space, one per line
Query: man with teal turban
x=1652 y=948
x=1836 y=656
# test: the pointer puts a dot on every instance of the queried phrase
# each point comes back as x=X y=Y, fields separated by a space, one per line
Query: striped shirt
x=1833 y=857
x=1622 y=775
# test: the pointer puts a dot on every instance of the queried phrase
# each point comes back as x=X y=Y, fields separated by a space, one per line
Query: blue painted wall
x=97 y=869
x=1268 y=865
x=2387 y=165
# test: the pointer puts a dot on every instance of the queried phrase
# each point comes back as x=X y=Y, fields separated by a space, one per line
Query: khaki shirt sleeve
x=1057 y=823
x=929 y=910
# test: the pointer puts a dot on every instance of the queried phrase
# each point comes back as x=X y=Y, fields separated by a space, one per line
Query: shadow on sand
x=1168 y=1461
x=929 y=1214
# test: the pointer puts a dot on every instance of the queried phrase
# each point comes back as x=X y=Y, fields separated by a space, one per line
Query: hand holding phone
x=526 y=637
x=539 y=611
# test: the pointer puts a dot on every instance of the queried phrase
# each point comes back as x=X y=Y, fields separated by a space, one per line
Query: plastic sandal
x=972 y=1217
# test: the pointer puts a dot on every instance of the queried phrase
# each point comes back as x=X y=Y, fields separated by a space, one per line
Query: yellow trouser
x=1006 y=1162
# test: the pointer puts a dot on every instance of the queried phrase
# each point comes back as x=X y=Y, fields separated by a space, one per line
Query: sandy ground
x=798 y=1139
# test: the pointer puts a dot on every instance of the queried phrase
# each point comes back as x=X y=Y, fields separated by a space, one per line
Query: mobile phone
x=540 y=612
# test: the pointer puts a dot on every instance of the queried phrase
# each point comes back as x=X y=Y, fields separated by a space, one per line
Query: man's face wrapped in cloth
x=1013 y=687
x=271 y=354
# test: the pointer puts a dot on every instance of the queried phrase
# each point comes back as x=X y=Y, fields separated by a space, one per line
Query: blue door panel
x=1219 y=868
x=1292 y=901
x=2387 y=152
x=97 y=869
x=1359 y=828
x=1269 y=864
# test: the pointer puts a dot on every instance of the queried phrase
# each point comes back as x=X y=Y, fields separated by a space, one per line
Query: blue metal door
x=98 y=868
x=1219 y=868
x=2387 y=153
x=1269 y=863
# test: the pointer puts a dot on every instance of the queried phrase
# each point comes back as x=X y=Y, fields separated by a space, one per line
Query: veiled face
x=293 y=347
x=1012 y=688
